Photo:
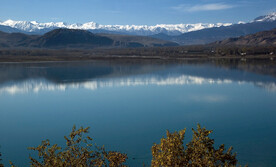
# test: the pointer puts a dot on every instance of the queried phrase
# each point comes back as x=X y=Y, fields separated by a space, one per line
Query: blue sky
x=148 y=12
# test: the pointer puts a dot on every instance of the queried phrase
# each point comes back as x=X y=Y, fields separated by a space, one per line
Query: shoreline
x=180 y=53
x=32 y=59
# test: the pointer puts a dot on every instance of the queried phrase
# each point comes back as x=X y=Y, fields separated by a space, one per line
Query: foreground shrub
x=198 y=153
x=1 y=165
x=80 y=152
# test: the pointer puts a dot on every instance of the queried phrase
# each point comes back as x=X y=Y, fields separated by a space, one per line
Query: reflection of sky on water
x=43 y=85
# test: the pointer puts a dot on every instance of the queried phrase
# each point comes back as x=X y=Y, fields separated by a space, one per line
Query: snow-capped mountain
x=267 y=18
x=209 y=35
x=170 y=29
x=35 y=27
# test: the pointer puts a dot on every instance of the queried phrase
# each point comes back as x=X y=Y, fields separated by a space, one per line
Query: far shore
x=10 y=59
x=185 y=53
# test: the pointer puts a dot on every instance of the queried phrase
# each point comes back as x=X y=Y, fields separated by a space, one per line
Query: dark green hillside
x=70 y=37
x=138 y=41
x=15 y=39
x=78 y=39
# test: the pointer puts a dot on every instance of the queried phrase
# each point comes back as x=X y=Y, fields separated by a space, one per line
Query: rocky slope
x=257 y=39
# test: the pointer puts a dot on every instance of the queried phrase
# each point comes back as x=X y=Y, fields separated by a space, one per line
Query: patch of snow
x=266 y=18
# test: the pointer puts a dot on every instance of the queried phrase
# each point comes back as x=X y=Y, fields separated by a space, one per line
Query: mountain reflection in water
x=24 y=78
x=42 y=85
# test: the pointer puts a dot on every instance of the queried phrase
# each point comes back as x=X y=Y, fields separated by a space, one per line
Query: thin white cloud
x=202 y=7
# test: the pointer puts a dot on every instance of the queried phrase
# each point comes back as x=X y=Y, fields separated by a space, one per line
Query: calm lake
x=130 y=105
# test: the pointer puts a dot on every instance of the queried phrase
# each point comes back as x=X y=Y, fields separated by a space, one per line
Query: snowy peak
x=267 y=18
x=22 y=25
x=32 y=26
x=170 y=29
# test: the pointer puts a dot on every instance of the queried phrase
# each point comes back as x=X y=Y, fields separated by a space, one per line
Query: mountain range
x=135 y=35
x=33 y=27
x=72 y=38
x=208 y=35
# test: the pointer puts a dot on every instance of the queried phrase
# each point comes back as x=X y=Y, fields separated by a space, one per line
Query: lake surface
x=130 y=105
